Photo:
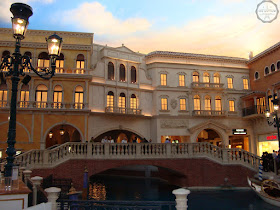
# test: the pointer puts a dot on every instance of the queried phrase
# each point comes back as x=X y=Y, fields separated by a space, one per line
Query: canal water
x=105 y=187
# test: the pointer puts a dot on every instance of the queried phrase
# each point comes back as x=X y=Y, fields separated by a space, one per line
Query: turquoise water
x=141 y=189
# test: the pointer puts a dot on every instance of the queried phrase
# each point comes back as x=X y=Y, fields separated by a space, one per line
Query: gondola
x=268 y=190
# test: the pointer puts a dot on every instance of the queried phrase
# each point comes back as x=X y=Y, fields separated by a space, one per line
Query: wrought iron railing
x=256 y=109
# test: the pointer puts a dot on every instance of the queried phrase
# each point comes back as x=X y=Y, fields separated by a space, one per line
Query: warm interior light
x=267 y=114
x=276 y=107
x=50 y=134
x=20 y=21
x=54 y=40
x=61 y=131
x=54 y=45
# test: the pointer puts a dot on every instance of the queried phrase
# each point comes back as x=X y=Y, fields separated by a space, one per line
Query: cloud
x=5 y=14
x=94 y=17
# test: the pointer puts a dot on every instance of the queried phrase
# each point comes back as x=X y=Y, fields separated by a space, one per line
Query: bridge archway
x=118 y=135
x=62 y=133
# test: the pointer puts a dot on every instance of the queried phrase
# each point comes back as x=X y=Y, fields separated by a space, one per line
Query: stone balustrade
x=76 y=150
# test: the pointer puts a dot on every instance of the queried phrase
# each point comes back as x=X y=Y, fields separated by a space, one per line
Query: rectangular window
x=80 y=65
x=183 y=104
x=261 y=105
x=218 y=105
x=24 y=98
x=230 y=84
x=3 y=98
x=41 y=99
x=163 y=79
x=164 y=104
x=79 y=100
x=182 y=80
x=231 y=106
x=110 y=101
x=59 y=66
x=133 y=103
x=207 y=104
x=216 y=79
x=57 y=99
x=196 y=104
x=245 y=84
x=195 y=78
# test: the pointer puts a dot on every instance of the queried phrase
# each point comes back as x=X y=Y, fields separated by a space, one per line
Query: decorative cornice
x=264 y=53
x=209 y=124
x=196 y=56
x=44 y=45
x=47 y=33
x=253 y=93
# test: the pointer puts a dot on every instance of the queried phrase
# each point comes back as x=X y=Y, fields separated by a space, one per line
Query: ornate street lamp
x=15 y=65
x=275 y=117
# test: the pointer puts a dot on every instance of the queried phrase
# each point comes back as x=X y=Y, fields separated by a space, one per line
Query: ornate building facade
x=101 y=91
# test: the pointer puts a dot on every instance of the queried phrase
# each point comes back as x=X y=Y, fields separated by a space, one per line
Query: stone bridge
x=183 y=164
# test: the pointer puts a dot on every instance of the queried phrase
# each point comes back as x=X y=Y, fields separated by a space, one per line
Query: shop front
x=239 y=139
x=267 y=143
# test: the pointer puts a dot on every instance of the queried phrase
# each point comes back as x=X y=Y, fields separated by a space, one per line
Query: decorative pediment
x=210 y=124
x=124 y=49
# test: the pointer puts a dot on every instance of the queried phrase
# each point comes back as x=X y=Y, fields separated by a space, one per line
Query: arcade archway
x=211 y=136
x=61 y=134
x=118 y=136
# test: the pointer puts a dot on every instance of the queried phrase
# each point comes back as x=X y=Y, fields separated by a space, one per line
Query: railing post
x=168 y=150
x=27 y=174
x=53 y=193
x=181 y=198
x=89 y=149
x=138 y=149
x=225 y=155
x=190 y=149
x=45 y=157
x=107 y=150
x=21 y=169
x=36 y=181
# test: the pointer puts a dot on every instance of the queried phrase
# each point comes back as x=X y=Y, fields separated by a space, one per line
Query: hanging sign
x=239 y=131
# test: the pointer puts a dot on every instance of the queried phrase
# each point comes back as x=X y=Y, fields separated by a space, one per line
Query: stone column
x=36 y=181
x=181 y=198
x=53 y=193
x=27 y=174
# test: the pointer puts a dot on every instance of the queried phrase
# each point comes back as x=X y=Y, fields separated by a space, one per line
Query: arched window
x=79 y=97
x=256 y=75
x=4 y=54
x=272 y=67
x=196 y=103
x=122 y=103
x=3 y=95
x=111 y=71
x=278 y=65
x=41 y=96
x=29 y=54
x=80 y=64
x=24 y=96
x=195 y=77
x=57 y=97
x=207 y=104
x=110 y=101
x=133 y=102
x=218 y=103
x=206 y=79
x=43 y=61
x=217 y=79
x=122 y=73
x=133 y=74
x=59 y=64
x=266 y=71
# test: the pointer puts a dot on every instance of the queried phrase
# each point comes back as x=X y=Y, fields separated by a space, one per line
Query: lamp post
x=14 y=66
x=275 y=117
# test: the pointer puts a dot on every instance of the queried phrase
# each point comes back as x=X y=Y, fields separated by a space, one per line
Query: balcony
x=64 y=71
x=208 y=113
x=207 y=85
x=120 y=110
x=23 y=105
x=254 y=110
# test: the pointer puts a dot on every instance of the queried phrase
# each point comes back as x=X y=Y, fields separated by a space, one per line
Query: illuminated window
x=111 y=71
x=207 y=103
x=80 y=64
x=41 y=96
x=110 y=101
x=231 y=105
x=57 y=97
x=3 y=95
x=181 y=80
x=133 y=74
x=183 y=106
x=206 y=79
x=79 y=97
x=270 y=103
x=218 y=103
x=245 y=84
x=230 y=82
x=4 y=54
x=163 y=79
x=164 y=104
x=216 y=79
x=195 y=77
x=122 y=104
x=59 y=64
x=43 y=61
x=196 y=101
x=24 y=96
x=30 y=56
x=122 y=73
x=133 y=102
x=261 y=105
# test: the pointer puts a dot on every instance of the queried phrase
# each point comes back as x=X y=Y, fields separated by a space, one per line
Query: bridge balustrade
x=76 y=150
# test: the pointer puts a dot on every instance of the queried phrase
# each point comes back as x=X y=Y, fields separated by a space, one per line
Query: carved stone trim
x=173 y=123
